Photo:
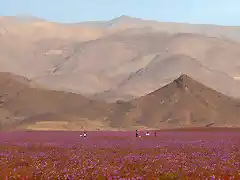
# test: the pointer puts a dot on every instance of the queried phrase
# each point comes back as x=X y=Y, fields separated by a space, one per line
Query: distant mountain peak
x=183 y=81
x=125 y=18
x=184 y=77
x=26 y=16
x=183 y=102
x=21 y=18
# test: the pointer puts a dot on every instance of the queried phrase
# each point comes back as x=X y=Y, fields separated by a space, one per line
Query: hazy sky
x=223 y=12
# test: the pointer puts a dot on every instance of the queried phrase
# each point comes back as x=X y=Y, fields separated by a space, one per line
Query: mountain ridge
x=114 y=62
x=182 y=103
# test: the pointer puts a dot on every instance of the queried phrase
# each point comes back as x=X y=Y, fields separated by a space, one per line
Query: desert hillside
x=112 y=60
x=182 y=103
x=23 y=105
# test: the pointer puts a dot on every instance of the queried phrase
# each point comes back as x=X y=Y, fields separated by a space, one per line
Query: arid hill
x=22 y=104
x=182 y=103
x=160 y=72
x=112 y=60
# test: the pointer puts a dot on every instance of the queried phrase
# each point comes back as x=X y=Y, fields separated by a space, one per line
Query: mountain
x=23 y=105
x=182 y=103
x=161 y=72
x=122 y=22
x=127 y=22
x=110 y=60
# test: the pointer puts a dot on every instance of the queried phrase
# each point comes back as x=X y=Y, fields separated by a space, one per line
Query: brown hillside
x=110 y=60
x=163 y=71
x=20 y=103
x=184 y=102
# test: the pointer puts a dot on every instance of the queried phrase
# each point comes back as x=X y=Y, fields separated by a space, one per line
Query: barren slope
x=160 y=72
x=111 y=60
x=117 y=58
x=22 y=104
x=184 y=102
x=126 y=22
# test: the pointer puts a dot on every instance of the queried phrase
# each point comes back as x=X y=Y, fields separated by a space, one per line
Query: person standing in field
x=155 y=134
x=84 y=134
x=136 y=133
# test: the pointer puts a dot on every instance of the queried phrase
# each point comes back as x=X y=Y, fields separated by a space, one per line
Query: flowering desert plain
x=123 y=74
x=189 y=154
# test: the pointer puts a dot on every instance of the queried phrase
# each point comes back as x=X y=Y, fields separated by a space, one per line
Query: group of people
x=84 y=134
x=147 y=134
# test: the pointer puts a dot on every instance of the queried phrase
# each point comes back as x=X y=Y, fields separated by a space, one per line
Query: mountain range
x=111 y=60
x=109 y=66
x=182 y=103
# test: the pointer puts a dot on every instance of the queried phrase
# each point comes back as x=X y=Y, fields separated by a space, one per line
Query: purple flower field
x=120 y=155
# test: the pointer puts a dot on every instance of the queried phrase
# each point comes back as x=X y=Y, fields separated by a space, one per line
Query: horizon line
x=30 y=17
